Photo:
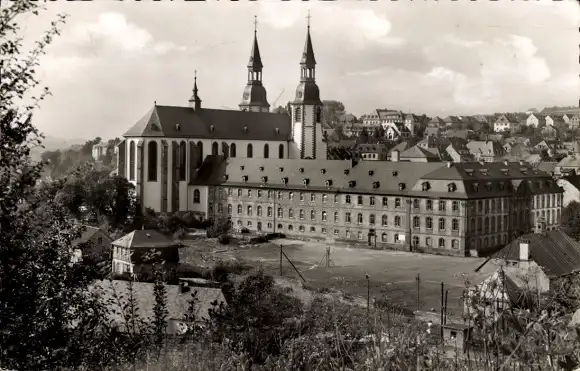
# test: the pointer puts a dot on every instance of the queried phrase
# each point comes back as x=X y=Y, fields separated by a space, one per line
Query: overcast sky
x=114 y=59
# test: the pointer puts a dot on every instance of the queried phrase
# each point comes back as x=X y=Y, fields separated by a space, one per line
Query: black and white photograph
x=290 y=185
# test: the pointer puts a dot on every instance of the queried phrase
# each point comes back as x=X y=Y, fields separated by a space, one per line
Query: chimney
x=449 y=164
x=524 y=250
x=541 y=227
x=506 y=163
x=395 y=156
x=522 y=162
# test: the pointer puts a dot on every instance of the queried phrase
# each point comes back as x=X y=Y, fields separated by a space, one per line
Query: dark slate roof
x=308 y=53
x=557 y=253
x=379 y=177
x=184 y=122
x=255 y=62
x=87 y=234
x=418 y=152
x=146 y=238
x=573 y=180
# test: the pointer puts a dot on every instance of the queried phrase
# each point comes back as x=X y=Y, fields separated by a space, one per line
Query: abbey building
x=269 y=172
x=163 y=152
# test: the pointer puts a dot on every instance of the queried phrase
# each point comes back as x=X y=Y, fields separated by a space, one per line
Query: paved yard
x=392 y=273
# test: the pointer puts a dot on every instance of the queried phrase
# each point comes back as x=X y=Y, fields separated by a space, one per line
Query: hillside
x=52 y=143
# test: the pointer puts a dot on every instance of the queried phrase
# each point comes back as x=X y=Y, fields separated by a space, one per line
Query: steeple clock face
x=299 y=94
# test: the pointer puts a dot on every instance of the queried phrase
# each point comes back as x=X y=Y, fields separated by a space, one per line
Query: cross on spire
x=308 y=17
x=195 y=75
x=255 y=23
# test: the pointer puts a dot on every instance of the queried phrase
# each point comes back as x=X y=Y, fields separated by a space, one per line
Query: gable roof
x=485 y=147
x=418 y=152
x=177 y=303
x=146 y=238
x=185 y=122
x=87 y=234
x=557 y=253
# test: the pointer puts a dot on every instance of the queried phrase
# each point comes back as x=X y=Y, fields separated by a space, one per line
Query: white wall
x=571 y=193
x=152 y=189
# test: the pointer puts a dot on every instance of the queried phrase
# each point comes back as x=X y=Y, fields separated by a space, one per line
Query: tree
x=280 y=110
x=47 y=319
x=364 y=136
x=570 y=221
x=332 y=111
x=160 y=313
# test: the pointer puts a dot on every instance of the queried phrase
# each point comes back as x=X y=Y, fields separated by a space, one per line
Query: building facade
x=453 y=209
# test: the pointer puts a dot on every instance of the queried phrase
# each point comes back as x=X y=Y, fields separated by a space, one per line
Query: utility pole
x=442 y=309
x=368 y=277
x=418 y=278
x=281 y=253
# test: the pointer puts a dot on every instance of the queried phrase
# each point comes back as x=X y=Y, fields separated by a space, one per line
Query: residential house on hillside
x=459 y=153
x=115 y=295
x=571 y=186
x=505 y=123
x=93 y=243
x=457 y=133
x=372 y=152
x=452 y=121
x=550 y=132
x=401 y=147
x=535 y=261
x=141 y=250
x=417 y=154
x=574 y=121
x=555 y=120
x=487 y=151
x=432 y=131
x=536 y=120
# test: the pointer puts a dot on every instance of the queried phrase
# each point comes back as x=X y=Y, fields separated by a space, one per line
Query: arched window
x=152 y=161
x=441 y=243
x=250 y=151
x=298 y=114
x=239 y=209
x=312 y=215
x=454 y=244
x=249 y=210
x=415 y=241
x=318 y=114
x=397 y=221
x=324 y=216
x=214 y=148
x=384 y=237
x=428 y=241
x=259 y=211
x=384 y=220
x=455 y=225
x=266 y=151
x=360 y=218
x=233 y=150
x=229 y=209
x=132 y=161
x=196 y=196
x=182 y=160
x=281 y=151
x=372 y=219
x=429 y=222
x=200 y=151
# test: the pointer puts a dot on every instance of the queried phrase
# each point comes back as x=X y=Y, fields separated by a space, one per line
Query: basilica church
x=163 y=153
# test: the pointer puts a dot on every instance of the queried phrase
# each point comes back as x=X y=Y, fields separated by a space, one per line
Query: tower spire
x=195 y=101
x=254 y=97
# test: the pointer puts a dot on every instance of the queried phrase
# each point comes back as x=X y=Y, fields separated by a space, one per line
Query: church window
x=266 y=151
x=250 y=151
x=214 y=148
x=233 y=150
x=298 y=114
x=318 y=114
x=152 y=161
x=132 y=161
x=200 y=149
x=281 y=151
x=182 y=160
x=196 y=196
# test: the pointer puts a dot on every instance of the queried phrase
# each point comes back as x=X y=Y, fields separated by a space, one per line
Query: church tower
x=254 y=98
x=306 y=109
x=195 y=101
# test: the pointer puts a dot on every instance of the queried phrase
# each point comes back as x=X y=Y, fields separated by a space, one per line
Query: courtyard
x=392 y=274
